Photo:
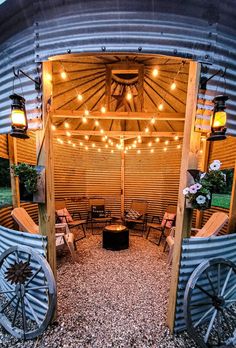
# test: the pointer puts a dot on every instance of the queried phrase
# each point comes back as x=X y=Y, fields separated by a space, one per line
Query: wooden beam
x=232 y=210
x=12 y=152
x=203 y=167
x=190 y=151
x=44 y=140
x=119 y=133
x=116 y=115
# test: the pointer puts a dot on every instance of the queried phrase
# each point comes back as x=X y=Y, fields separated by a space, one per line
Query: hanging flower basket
x=199 y=195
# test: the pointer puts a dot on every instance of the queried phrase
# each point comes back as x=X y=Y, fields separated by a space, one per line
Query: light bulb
x=73 y=145
x=138 y=152
x=152 y=150
x=150 y=143
x=63 y=75
x=103 y=109
x=48 y=77
x=157 y=140
x=84 y=119
x=68 y=133
x=103 y=139
x=134 y=146
x=93 y=145
x=86 y=112
x=101 y=131
x=153 y=120
x=146 y=130
x=129 y=96
x=176 y=137
x=178 y=146
x=81 y=144
x=66 y=125
x=99 y=150
x=69 y=142
x=96 y=123
x=165 y=149
x=80 y=97
x=173 y=86
x=106 y=146
x=53 y=127
x=112 y=151
x=86 y=137
x=86 y=148
x=160 y=107
x=155 y=72
x=201 y=151
x=166 y=142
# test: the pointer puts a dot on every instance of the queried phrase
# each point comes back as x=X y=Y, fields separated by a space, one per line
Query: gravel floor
x=110 y=299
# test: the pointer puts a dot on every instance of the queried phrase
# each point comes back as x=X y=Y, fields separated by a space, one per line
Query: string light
x=201 y=151
x=73 y=145
x=99 y=150
x=68 y=133
x=176 y=137
x=138 y=152
x=146 y=130
x=153 y=120
x=155 y=72
x=101 y=131
x=178 y=146
x=53 y=127
x=160 y=107
x=134 y=146
x=112 y=151
x=166 y=142
x=69 y=142
x=84 y=119
x=79 y=97
x=152 y=150
x=150 y=143
x=86 y=148
x=86 y=137
x=81 y=144
x=96 y=123
x=63 y=75
x=165 y=149
x=157 y=140
x=129 y=95
x=86 y=112
x=139 y=140
x=49 y=77
x=106 y=146
x=103 y=139
x=93 y=145
x=103 y=109
x=173 y=86
x=66 y=125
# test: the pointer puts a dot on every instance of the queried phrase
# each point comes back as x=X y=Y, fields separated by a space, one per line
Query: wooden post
x=12 y=152
x=190 y=151
x=203 y=167
x=122 y=207
x=45 y=158
x=232 y=210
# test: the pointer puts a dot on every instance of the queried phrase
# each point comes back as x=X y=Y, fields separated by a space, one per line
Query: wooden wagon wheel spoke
x=28 y=286
x=214 y=324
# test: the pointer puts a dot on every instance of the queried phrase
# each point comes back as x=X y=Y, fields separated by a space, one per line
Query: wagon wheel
x=27 y=292
x=210 y=304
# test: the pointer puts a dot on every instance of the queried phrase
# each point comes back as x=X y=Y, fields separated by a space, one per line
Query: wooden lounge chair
x=137 y=214
x=62 y=215
x=26 y=224
x=98 y=213
x=211 y=228
x=162 y=226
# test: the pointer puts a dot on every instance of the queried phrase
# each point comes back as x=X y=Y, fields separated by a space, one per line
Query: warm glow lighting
x=103 y=139
x=155 y=72
x=150 y=143
x=86 y=148
x=69 y=142
x=138 y=152
x=81 y=144
x=96 y=123
x=153 y=120
x=101 y=131
x=111 y=142
x=173 y=86
x=160 y=107
x=66 y=125
x=80 y=97
x=73 y=145
x=176 y=137
x=135 y=141
x=18 y=118
x=86 y=137
x=86 y=112
x=63 y=75
x=106 y=145
x=146 y=130
x=139 y=140
x=93 y=145
x=106 y=137
x=152 y=150
x=99 y=150
x=166 y=142
x=219 y=119
x=103 y=109
x=68 y=133
x=84 y=119
x=125 y=151
x=178 y=146
x=112 y=151
x=201 y=151
x=157 y=140
x=134 y=146
x=165 y=149
x=129 y=96
x=53 y=127
x=48 y=77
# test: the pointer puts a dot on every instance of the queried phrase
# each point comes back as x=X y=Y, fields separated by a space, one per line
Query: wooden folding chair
x=98 y=213
x=137 y=214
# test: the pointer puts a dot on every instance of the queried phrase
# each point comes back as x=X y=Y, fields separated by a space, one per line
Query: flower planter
x=39 y=195
x=189 y=205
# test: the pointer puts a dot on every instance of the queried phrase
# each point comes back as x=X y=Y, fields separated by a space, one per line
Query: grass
x=221 y=200
x=5 y=196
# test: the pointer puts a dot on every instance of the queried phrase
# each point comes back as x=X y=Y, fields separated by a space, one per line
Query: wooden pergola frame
x=190 y=151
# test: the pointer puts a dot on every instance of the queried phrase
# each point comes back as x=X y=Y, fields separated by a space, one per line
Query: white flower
x=201 y=199
x=186 y=191
x=193 y=189
x=224 y=176
x=215 y=165
x=198 y=186
x=202 y=175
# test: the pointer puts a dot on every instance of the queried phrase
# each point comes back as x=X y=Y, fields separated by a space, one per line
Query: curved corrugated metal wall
x=198 y=29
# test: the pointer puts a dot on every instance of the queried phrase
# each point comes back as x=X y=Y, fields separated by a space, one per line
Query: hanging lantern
x=19 y=122
x=219 y=118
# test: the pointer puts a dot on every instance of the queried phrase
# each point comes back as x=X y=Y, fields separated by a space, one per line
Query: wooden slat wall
x=81 y=174
x=225 y=151
x=3 y=146
x=6 y=219
x=26 y=149
x=153 y=176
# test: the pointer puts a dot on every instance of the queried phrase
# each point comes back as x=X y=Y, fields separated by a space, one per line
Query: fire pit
x=115 y=237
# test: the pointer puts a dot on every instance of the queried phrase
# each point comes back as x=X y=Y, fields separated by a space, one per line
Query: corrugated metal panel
x=194 y=251
x=81 y=174
x=3 y=146
x=9 y=238
x=197 y=29
x=153 y=176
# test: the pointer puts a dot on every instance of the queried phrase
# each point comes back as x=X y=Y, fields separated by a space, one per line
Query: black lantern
x=219 y=118
x=19 y=122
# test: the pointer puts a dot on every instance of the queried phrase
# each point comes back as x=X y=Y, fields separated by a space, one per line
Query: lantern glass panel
x=219 y=119
x=18 y=118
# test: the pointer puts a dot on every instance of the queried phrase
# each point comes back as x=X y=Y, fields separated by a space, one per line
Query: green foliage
x=5 y=180
x=28 y=175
